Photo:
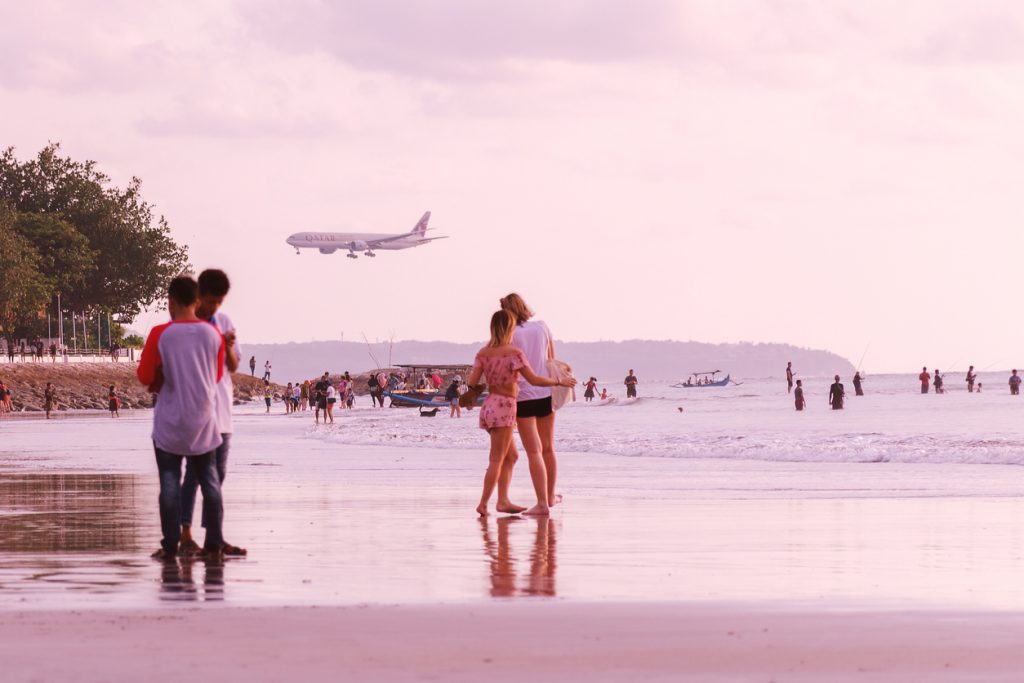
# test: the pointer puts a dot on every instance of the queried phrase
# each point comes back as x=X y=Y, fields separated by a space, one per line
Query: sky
x=840 y=175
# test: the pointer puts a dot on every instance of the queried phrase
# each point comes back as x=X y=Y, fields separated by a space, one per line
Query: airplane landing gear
x=370 y=254
x=297 y=252
x=351 y=255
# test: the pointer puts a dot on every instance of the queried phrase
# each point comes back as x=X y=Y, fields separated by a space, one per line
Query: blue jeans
x=191 y=483
x=204 y=468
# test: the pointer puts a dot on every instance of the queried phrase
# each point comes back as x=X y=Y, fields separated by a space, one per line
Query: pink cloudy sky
x=828 y=174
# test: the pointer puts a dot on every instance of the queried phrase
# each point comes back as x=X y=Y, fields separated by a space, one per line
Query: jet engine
x=357 y=246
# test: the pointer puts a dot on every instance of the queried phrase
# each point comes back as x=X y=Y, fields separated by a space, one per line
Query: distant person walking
x=836 y=395
x=857 y=389
x=252 y=366
x=268 y=394
x=971 y=377
x=266 y=370
x=938 y=382
x=789 y=377
x=452 y=396
x=49 y=399
x=798 y=396
x=631 y=381
x=926 y=380
x=1015 y=383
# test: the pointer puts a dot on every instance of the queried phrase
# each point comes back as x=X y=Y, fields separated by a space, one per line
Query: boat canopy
x=706 y=372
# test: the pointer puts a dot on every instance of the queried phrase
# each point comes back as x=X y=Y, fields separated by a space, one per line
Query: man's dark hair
x=183 y=290
x=213 y=282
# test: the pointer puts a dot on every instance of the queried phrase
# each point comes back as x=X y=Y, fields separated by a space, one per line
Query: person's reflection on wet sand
x=176 y=582
x=502 y=564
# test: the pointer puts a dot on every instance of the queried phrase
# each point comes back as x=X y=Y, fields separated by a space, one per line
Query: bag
x=560 y=395
x=560 y=371
x=472 y=395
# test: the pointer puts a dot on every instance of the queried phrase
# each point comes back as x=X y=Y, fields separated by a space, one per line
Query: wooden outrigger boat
x=425 y=397
x=703 y=380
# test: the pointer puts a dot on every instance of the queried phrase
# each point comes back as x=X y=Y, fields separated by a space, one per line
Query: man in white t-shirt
x=213 y=287
x=266 y=370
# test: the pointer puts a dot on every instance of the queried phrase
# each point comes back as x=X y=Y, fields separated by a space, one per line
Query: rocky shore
x=84 y=386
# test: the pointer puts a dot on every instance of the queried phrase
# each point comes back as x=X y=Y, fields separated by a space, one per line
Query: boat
x=703 y=380
x=425 y=397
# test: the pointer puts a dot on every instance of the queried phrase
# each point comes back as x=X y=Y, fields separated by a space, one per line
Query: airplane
x=329 y=242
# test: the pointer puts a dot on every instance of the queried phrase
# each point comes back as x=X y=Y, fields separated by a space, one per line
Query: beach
x=368 y=558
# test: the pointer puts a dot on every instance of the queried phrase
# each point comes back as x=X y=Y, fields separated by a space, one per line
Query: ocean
x=754 y=420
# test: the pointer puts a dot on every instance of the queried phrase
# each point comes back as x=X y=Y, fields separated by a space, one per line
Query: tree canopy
x=99 y=246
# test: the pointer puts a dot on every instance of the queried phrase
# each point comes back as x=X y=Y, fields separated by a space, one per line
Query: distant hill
x=652 y=360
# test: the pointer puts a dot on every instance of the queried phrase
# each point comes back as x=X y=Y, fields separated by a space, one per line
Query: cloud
x=453 y=39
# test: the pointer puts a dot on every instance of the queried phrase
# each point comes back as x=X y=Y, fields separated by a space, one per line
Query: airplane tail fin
x=421 y=228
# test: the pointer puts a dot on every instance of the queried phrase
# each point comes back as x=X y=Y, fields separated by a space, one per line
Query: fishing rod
x=370 y=350
x=860 y=363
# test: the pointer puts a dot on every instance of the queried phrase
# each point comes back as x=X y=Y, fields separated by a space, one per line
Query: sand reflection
x=178 y=580
x=64 y=512
x=505 y=566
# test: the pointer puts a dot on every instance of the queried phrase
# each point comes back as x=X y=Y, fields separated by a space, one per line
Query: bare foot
x=481 y=510
x=555 y=500
x=538 y=511
x=510 y=508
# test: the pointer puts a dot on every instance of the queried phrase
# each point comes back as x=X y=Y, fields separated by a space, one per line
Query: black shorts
x=321 y=403
x=538 y=407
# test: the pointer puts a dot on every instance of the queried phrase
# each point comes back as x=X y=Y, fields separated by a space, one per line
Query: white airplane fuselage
x=352 y=242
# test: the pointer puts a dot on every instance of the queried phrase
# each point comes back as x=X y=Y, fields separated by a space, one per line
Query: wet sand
x=370 y=560
x=509 y=642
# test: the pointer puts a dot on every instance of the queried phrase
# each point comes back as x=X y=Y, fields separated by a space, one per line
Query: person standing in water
x=857 y=389
x=798 y=395
x=631 y=381
x=1014 y=383
x=789 y=377
x=938 y=382
x=925 y=380
x=588 y=393
x=971 y=376
x=836 y=394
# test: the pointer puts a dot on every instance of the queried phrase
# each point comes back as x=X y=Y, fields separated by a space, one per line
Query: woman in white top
x=535 y=418
x=331 y=398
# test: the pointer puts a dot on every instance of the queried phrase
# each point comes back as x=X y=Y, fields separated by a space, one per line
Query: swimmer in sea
x=798 y=396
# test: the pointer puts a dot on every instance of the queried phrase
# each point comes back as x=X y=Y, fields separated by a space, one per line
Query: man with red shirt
x=183 y=361
x=925 y=380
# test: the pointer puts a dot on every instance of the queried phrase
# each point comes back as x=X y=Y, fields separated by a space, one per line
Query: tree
x=25 y=289
x=64 y=253
x=133 y=255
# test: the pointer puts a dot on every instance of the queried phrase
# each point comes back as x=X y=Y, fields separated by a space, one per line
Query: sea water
x=751 y=420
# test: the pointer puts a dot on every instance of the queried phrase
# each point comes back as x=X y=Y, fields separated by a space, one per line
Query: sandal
x=189 y=547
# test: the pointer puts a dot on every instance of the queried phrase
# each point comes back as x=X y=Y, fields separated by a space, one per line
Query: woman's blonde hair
x=514 y=304
x=503 y=324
